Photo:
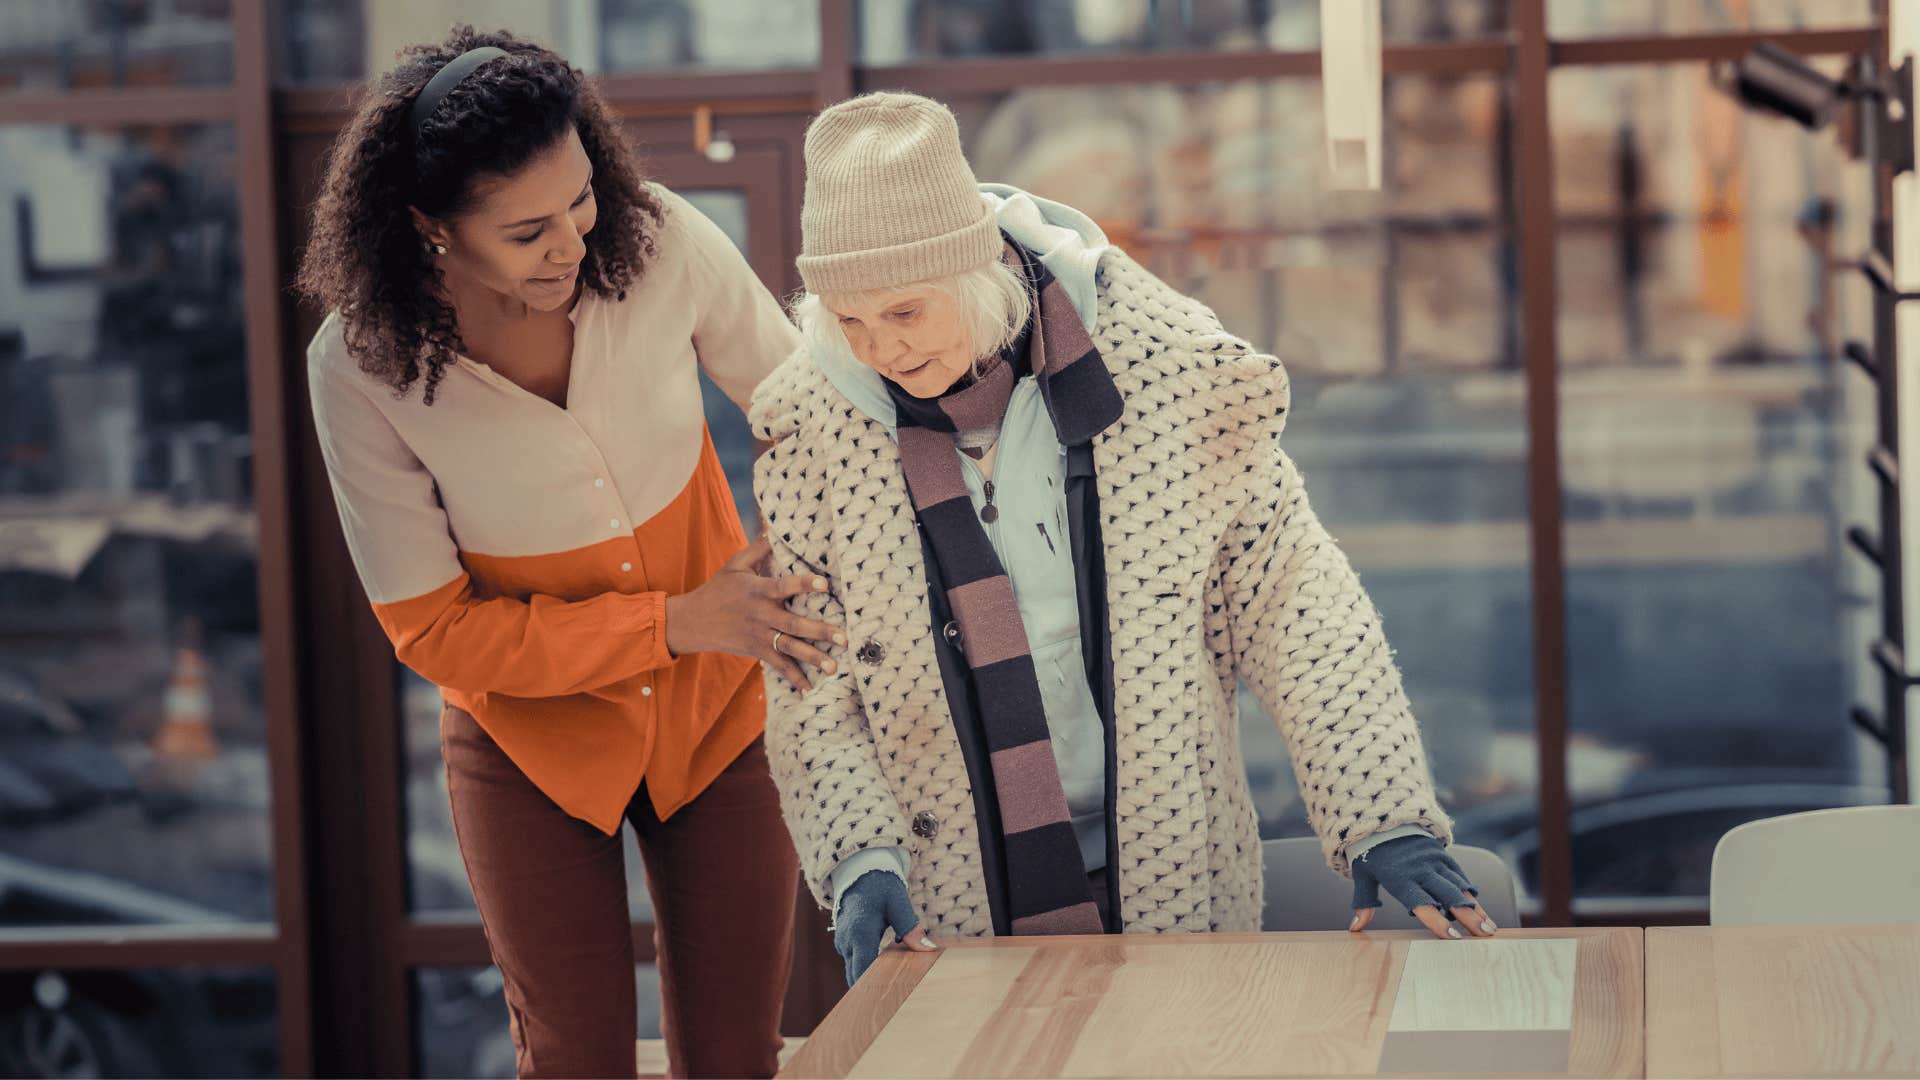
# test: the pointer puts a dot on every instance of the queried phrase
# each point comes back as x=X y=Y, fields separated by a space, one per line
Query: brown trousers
x=552 y=893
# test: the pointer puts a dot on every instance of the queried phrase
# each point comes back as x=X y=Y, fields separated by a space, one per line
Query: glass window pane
x=1600 y=18
x=133 y=761
x=159 y=1022
x=47 y=47
x=336 y=40
x=1394 y=313
x=902 y=31
x=1711 y=458
x=460 y=1021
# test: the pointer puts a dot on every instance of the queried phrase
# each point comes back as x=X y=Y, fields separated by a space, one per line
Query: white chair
x=1302 y=894
x=1852 y=865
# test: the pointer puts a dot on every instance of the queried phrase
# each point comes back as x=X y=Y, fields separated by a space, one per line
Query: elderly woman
x=1049 y=494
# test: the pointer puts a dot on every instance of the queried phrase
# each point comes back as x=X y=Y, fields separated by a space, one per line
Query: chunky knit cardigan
x=1217 y=570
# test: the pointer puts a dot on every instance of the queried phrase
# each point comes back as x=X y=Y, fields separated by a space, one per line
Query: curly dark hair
x=365 y=259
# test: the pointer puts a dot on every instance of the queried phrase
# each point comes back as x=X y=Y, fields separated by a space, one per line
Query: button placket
x=597 y=462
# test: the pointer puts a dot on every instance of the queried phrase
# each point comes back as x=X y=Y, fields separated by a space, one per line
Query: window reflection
x=1599 y=18
x=1717 y=623
x=93 y=44
x=208 y=1022
x=900 y=31
x=133 y=776
x=341 y=40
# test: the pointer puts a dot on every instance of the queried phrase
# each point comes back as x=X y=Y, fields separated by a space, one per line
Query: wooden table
x=1529 y=1002
x=1783 y=1001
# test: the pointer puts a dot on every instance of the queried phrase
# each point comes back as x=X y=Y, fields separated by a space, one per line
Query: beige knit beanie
x=890 y=199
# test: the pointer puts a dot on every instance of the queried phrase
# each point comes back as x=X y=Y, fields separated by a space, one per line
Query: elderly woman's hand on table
x=876 y=903
x=1418 y=872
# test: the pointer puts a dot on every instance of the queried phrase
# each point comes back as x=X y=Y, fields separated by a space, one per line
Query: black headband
x=446 y=79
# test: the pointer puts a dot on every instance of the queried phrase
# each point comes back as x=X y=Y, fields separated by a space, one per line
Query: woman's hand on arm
x=738 y=611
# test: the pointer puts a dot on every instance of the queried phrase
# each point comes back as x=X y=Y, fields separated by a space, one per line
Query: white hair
x=994 y=301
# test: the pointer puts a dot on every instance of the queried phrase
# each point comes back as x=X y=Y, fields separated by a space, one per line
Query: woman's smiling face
x=913 y=336
x=525 y=236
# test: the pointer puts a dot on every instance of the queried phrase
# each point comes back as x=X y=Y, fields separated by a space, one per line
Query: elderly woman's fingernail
x=819 y=584
x=839 y=639
x=1488 y=925
x=1454 y=931
x=926 y=945
x=1355 y=924
x=827 y=667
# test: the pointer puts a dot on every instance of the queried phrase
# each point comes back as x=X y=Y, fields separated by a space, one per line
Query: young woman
x=507 y=395
x=1062 y=529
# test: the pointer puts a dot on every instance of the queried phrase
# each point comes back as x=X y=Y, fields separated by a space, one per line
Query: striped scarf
x=1047 y=886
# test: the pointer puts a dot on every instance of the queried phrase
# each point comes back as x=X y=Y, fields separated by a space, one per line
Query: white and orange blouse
x=519 y=555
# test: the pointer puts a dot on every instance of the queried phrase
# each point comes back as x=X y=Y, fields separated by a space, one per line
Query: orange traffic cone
x=186 y=727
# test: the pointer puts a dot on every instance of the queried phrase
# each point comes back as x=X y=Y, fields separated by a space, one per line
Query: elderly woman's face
x=913 y=336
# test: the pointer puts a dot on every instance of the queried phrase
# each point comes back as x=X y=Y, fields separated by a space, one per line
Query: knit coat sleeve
x=833 y=791
x=1309 y=642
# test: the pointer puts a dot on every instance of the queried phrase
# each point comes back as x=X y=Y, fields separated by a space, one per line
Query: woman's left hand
x=1418 y=872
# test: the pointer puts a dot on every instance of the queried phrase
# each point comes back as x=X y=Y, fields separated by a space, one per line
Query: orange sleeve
x=539 y=647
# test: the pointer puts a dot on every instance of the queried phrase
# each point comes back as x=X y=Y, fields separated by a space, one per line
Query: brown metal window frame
x=343 y=945
x=281 y=946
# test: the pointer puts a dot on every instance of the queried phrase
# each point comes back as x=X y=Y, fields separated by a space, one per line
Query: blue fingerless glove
x=1415 y=870
x=873 y=904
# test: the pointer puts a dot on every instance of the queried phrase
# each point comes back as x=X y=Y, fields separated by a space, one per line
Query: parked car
x=198 y=1022
x=1651 y=846
x=141 y=1022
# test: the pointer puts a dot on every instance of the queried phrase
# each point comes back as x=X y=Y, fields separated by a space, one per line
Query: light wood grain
x=1783 y=1001
x=936 y=1029
x=1309 y=1004
x=836 y=1045
x=650 y=1055
x=1505 y=984
x=1238 y=1010
x=1609 y=1004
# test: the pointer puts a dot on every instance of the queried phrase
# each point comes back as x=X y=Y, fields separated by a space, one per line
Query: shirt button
x=646 y=691
x=599 y=481
x=626 y=568
x=615 y=523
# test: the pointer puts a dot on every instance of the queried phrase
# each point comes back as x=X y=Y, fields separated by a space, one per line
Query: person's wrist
x=677 y=626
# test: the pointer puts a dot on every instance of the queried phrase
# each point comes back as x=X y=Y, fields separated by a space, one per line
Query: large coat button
x=871 y=653
x=925 y=825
